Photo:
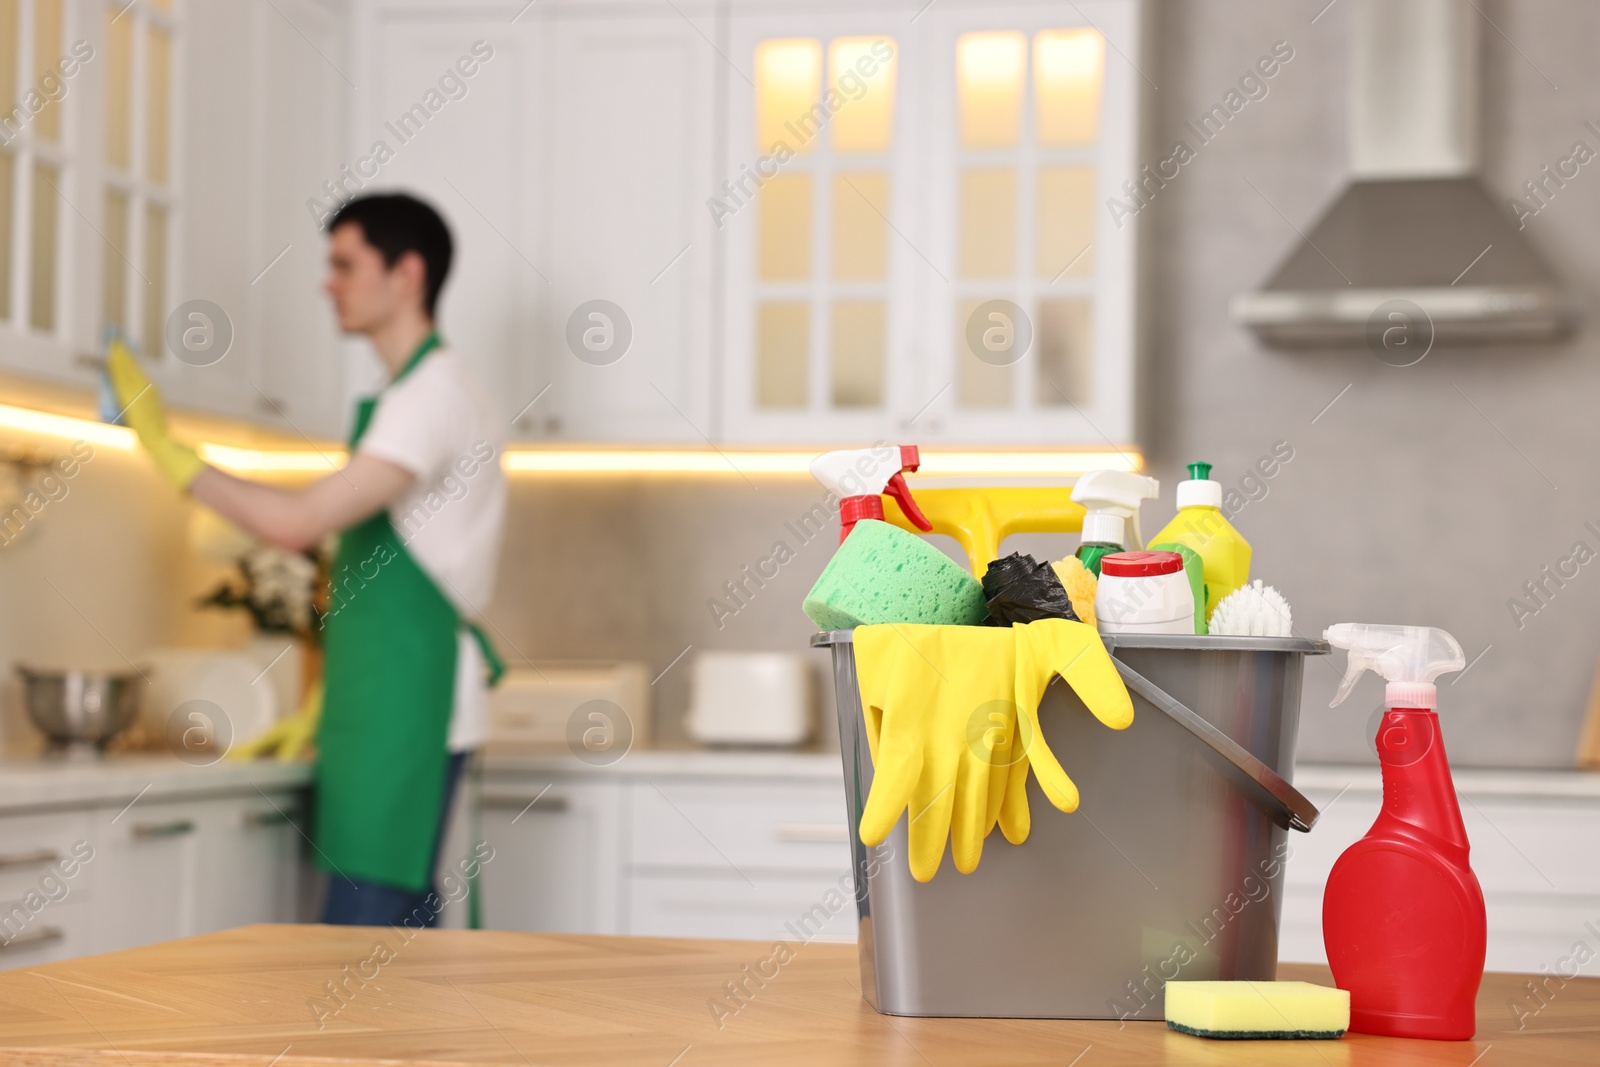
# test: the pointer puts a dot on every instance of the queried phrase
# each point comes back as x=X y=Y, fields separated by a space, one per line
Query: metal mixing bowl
x=80 y=707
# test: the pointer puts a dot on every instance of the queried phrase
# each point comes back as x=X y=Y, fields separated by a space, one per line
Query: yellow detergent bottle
x=1200 y=525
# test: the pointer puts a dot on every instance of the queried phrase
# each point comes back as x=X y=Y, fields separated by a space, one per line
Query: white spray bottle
x=859 y=477
x=1111 y=506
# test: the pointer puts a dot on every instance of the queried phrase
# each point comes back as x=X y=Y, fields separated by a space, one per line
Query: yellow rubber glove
x=1074 y=651
x=940 y=717
x=146 y=416
x=287 y=739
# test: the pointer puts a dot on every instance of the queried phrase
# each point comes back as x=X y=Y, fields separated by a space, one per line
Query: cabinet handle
x=29 y=859
x=175 y=828
x=813 y=832
x=33 y=937
x=277 y=817
x=551 y=805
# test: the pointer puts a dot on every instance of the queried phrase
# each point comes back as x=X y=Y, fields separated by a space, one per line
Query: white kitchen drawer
x=57 y=931
x=736 y=827
x=34 y=846
x=797 y=908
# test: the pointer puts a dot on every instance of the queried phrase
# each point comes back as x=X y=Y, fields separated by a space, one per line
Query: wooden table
x=261 y=995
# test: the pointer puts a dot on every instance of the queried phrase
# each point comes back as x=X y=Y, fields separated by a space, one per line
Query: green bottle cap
x=1200 y=471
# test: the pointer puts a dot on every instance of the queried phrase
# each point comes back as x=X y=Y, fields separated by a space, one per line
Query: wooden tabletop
x=261 y=995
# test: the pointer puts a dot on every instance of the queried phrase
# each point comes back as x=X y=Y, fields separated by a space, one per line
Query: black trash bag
x=1019 y=589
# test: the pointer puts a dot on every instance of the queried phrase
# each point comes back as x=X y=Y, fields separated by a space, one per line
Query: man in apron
x=419 y=510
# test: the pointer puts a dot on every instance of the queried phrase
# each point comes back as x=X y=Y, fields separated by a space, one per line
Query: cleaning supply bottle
x=1402 y=914
x=1110 y=501
x=1144 y=593
x=860 y=476
x=1201 y=525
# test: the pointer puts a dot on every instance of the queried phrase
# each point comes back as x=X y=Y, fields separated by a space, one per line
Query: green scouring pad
x=881 y=573
x=1253 y=1011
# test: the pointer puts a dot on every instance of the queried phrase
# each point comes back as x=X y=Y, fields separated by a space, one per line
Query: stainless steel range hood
x=1414 y=224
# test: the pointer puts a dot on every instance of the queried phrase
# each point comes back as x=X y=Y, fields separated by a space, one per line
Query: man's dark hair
x=395 y=224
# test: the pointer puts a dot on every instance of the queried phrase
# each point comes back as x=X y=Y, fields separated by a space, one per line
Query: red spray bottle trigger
x=860 y=477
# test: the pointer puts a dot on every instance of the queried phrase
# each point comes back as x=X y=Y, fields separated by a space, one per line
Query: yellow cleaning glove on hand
x=146 y=416
x=941 y=707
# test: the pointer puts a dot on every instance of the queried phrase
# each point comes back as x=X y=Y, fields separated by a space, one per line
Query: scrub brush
x=1253 y=610
x=1080 y=584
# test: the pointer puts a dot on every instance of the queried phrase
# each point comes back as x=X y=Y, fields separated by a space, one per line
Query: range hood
x=1414 y=224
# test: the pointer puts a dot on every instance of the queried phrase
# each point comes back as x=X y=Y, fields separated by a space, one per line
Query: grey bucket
x=1172 y=866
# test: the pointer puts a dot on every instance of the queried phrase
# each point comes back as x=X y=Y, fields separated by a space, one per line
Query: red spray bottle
x=1402 y=915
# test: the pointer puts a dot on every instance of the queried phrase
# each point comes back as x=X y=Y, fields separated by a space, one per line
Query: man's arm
x=297 y=519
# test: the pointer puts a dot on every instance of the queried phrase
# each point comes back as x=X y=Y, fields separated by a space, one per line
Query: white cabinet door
x=290 y=335
x=625 y=157
x=250 y=858
x=557 y=862
x=860 y=274
x=818 y=908
x=263 y=110
x=146 y=872
x=457 y=140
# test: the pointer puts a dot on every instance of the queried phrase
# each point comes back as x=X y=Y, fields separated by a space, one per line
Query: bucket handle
x=1270 y=786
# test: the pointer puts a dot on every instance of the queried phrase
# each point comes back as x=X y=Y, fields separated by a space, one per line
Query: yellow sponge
x=1256 y=1010
x=1080 y=584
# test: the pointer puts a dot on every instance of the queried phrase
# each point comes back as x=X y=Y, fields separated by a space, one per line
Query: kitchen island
x=294 y=996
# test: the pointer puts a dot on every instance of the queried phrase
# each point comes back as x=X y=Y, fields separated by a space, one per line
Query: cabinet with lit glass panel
x=915 y=241
x=764 y=224
x=158 y=153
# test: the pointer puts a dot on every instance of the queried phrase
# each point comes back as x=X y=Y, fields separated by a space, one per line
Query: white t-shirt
x=437 y=422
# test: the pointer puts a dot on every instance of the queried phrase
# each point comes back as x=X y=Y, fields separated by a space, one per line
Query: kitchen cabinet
x=263 y=120
x=93 y=872
x=250 y=860
x=556 y=842
x=44 y=911
x=668 y=844
x=617 y=286
x=1540 y=889
x=188 y=146
x=570 y=173
x=147 y=870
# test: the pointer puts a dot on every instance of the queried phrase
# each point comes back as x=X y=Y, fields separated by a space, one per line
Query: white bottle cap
x=1411 y=695
x=1102 y=527
x=1196 y=493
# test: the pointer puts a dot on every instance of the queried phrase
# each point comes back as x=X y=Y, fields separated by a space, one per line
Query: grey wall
x=1403 y=503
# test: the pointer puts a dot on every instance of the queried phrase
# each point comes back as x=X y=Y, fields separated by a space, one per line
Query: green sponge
x=1251 y=1011
x=883 y=574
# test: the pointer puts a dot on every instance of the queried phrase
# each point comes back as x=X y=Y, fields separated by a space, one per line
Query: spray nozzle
x=1110 y=501
x=858 y=477
x=1408 y=657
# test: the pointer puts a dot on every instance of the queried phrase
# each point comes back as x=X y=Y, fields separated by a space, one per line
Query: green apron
x=390 y=642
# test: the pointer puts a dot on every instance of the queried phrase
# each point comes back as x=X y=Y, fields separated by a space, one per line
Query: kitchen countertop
x=667 y=762
x=1477 y=781
x=251 y=996
x=39 y=782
